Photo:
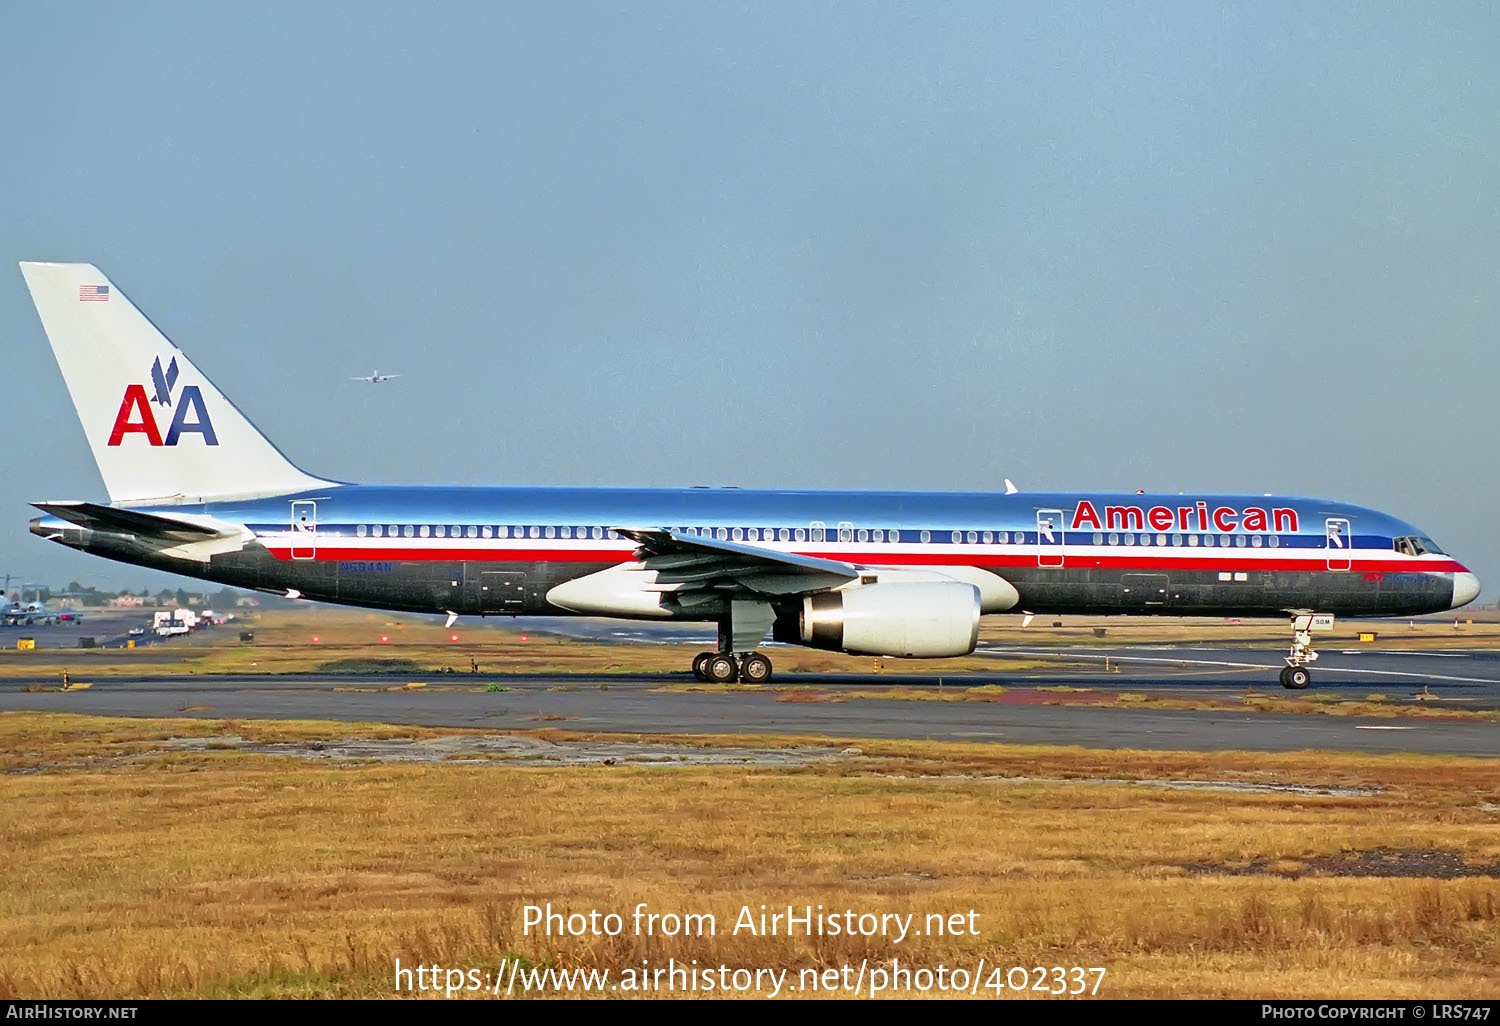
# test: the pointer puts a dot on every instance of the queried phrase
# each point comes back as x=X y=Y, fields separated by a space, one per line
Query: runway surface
x=622 y=704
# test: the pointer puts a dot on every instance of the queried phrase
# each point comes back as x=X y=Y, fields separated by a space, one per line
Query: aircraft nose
x=1465 y=589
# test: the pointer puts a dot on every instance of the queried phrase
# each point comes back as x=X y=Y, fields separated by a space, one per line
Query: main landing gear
x=741 y=631
x=1296 y=676
x=723 y=668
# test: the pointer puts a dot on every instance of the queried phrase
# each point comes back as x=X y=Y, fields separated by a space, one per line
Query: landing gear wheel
x=755 y=669
x=700 y=664
x=721 y=668
x=1295 y=678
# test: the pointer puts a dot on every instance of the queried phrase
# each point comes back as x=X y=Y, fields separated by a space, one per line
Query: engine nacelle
x=935 y=619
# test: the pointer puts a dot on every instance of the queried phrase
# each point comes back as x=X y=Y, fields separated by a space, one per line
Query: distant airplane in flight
x=196 y=489
x=377 y=378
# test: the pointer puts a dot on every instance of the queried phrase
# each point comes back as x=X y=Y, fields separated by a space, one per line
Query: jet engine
x=926 y=619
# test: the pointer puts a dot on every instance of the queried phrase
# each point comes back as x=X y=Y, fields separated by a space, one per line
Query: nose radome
x=1465 y=589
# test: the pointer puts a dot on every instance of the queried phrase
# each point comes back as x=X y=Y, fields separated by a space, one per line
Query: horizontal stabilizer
x=96 y=517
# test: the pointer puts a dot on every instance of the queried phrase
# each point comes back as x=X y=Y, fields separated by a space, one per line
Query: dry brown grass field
x=136 y=868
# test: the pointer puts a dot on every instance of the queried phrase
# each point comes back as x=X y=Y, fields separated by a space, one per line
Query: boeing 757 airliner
x=195 y=489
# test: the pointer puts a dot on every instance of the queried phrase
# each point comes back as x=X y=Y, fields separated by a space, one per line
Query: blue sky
x=1165 y=246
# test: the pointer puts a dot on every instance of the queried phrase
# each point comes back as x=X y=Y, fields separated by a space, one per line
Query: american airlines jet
x=195 y=489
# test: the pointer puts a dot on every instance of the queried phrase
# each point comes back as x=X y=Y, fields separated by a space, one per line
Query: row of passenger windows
x=481 y=531
x=801 y=534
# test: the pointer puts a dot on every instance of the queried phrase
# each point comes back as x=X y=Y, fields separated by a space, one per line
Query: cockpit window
x=1415 y=546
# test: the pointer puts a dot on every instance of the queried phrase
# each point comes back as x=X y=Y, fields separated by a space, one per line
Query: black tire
x=1295 y=678
x=755 y=669
x=722 y=669
x=700 y=663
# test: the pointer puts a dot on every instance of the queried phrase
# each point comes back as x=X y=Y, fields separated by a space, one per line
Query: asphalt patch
x=1411 y=863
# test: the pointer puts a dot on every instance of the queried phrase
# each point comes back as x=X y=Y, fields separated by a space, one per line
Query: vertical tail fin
x=160 y=431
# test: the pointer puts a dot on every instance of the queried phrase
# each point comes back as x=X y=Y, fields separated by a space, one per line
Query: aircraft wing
x=687 y=563
x=97 y=517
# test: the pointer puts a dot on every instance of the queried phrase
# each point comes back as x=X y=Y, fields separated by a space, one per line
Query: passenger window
x=1192 y=541
x=801 y=534
x=864 y=535
x=1256 y=541
x=393 y=530
x=549 y=531
x=879 y=537
x=957 y=537
x=972 y=537
x=484 y=531
x=1098 y=538
x=359 y=531
x=1130 y=539
x=1208 y=541
x=1145 y=539
x=926 y=536
x=817 y=534
x=1176 y=539
x=784 y=534
x=723 y=534
x=423 y=532
x=408 y=531
x=1114 y=539
x=1003 y=537
x=737 y=534
x=1274 y=540
x=1239 y=541
x=534 y=531
x=1161 y=539
x=439 y=531
x=377 y=530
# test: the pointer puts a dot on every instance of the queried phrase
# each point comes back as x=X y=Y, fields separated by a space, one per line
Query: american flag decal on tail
x=93 y=293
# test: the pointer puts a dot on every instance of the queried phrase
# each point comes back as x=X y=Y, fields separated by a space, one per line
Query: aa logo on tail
x=136 y=416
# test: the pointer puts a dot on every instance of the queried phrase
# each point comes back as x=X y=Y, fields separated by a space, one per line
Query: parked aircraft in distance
x=25 y=613
x=377 y=378
x=195 y=489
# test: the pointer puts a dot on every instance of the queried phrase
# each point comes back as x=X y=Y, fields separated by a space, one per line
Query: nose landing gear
x=1296 y=676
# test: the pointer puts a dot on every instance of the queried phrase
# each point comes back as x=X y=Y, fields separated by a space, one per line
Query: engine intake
x=928 y=619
